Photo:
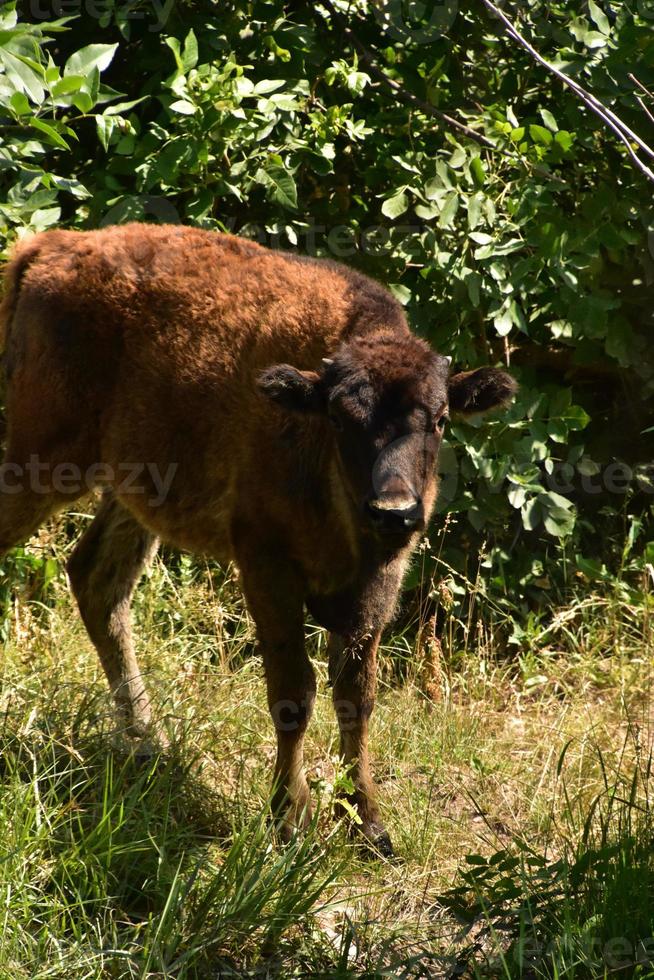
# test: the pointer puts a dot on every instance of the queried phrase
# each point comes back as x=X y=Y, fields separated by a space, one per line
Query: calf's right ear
x=478 y=391
x=296 y=391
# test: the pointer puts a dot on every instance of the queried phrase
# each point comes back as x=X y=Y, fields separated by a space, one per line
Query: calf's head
x=387 y=399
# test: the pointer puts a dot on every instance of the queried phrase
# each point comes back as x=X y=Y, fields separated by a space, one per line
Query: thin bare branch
x=640 y=85
x=644 y=108
x=608 y=117
x=640 y=102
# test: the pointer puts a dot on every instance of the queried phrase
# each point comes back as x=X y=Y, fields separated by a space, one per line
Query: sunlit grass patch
x=116 y=867
x=533 y=764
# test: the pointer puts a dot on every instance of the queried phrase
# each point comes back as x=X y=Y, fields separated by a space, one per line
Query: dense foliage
x=531 y=245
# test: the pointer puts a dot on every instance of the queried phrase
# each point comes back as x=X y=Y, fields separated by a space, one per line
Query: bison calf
x=297 y=421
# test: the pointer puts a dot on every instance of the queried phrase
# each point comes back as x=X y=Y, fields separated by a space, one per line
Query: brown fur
x=166 y=345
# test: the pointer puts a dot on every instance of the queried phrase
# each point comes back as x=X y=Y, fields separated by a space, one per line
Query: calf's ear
x=478 y=391
x=297 y=391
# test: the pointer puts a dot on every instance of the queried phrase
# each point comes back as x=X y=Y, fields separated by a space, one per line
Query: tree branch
x=608 y=117
x=640 y=102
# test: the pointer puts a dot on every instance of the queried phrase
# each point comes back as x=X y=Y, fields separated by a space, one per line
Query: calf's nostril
x=395 y=513
x=414 y=517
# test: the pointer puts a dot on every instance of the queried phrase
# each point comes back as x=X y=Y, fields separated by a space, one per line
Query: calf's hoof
x=291 y=819
x=150 y=749
x=374 y=837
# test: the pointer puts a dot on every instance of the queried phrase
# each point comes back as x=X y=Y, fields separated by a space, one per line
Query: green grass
x=519 y=801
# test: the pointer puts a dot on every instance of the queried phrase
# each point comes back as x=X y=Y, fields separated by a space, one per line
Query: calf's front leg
x=353 y=676
x=274 y=598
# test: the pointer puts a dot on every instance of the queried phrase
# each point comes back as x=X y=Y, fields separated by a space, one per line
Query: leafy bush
x=529 y=244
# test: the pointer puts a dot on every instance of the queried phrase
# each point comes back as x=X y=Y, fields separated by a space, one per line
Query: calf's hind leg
x=103 y=571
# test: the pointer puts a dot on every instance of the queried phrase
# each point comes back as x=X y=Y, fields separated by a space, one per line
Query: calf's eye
x=442 y=422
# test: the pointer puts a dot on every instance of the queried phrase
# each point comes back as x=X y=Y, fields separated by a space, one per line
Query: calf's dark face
x=388 y=414
x=388 y=431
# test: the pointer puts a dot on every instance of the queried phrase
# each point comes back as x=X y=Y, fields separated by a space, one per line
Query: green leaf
x=105 y=127
x=125 y=145
x=71 y=185
x=119 y=107
x=173 y=44
x=540 y=135
x=280 y=184
x=549 y=120
x=458 y=158
x=449 y=210
x=67 y=85
x=93 y=56
x=183 y=107
x=532 y=514
x=587 y=466
x=594 y=39
x=244 y=86
x=268 y=85
x=83 y=101
x=594 y=570
x=503 y=323
x=560 y=401
x=190 y=52
x=427 y=211
x=20 y=104
x=474 y=211
x=576 y=418
x=553 y=499
x=45 y=218
x=516 y=497
x=564 y=139
x=50 y=132
x=557 y=430
x=433 y=188
x=401 y=293
x=23 y=77
x=478 y=171
x=598 y=17
x=473 y=284
x=559 y=521
x=356 y=81
x=394 y=206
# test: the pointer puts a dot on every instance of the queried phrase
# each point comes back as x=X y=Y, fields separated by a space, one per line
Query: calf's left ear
x=478 y=391
x=297 y=391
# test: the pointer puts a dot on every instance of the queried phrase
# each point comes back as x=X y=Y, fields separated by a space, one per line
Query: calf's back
x=140 y=344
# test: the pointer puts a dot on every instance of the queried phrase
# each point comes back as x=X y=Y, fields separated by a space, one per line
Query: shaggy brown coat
x=159 y=349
